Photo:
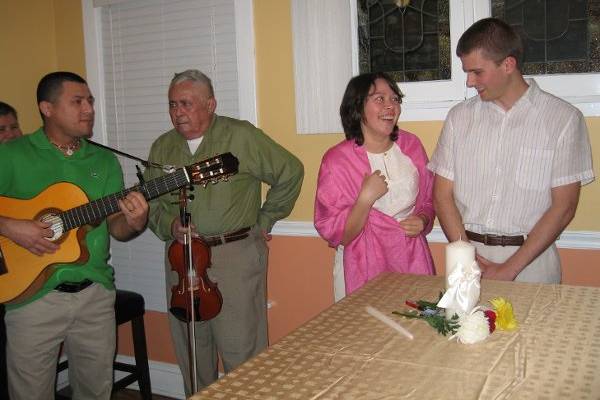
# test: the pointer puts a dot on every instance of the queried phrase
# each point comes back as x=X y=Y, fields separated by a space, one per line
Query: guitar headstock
x=213 y=170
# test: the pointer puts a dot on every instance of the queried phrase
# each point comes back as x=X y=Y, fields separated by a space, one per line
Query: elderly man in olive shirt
x=229 y=216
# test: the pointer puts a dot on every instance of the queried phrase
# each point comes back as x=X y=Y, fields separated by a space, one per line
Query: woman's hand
x=414 y=225
x=373 y=187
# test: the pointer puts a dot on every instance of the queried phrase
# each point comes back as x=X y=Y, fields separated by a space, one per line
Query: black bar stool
x=129 y=306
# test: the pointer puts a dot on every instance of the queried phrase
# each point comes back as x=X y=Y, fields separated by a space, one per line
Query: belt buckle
x=485 y=239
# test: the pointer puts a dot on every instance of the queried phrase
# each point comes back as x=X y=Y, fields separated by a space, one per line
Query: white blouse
x=403 y=182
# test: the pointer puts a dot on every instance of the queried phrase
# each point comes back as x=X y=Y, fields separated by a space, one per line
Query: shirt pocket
x=534 y=168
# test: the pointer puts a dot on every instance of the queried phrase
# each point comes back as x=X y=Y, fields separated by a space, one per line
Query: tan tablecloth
x=344 y=353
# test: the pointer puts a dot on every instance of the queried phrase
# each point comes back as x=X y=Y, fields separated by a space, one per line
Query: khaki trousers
x=84 y=321
x=239 y=332
x=544 y=269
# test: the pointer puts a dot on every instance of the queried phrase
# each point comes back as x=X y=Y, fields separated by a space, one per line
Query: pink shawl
x=382 y=245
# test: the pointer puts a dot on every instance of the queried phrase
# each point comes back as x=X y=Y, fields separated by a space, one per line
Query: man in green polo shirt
x=230 y=216
x=75 y=304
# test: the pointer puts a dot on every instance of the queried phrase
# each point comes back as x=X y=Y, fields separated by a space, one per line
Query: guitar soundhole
x=3 y=269
x=56 y=225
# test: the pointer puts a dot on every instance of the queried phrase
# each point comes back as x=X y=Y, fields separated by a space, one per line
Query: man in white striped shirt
x=510 y=162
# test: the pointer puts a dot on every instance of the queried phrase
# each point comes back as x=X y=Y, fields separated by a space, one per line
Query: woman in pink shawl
x=374 y=193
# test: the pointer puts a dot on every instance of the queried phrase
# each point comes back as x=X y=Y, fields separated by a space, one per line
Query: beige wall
x=37 y=37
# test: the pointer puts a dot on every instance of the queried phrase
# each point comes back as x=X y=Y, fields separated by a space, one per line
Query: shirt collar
x=40 y=140
x=530 y=94
x=526 y=99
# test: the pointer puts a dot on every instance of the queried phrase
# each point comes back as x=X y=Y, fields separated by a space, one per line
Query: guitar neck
x=99 y=209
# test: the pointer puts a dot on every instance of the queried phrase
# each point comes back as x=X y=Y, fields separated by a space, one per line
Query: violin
x=196 y=297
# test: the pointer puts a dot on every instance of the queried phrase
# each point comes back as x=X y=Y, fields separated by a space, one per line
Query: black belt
x=218 y=240
x=496 y=240
x=73 y=287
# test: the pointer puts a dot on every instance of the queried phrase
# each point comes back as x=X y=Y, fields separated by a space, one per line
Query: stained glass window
x=560 y=36
x=410 y=39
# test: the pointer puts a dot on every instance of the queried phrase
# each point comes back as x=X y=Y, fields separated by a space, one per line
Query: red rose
x=491 y=317
x=412 y=304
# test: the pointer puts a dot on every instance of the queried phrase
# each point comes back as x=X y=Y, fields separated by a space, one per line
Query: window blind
x=143 y=43
x=322 y=62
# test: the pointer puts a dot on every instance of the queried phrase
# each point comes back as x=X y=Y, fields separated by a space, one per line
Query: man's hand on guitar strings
x=32 y=235
x=135 y=209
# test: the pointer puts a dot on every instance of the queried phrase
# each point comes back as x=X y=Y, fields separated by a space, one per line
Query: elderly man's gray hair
x=195 y=76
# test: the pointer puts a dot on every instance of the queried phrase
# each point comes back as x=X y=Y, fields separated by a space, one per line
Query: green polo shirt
x=30 y=164
x=236 y=203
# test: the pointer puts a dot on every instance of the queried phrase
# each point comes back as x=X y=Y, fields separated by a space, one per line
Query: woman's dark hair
x=353 y=103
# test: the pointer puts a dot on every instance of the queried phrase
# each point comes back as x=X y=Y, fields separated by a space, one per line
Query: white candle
x=458 y=252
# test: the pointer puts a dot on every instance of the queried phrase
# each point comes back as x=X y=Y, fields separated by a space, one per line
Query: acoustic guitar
x=67 y=208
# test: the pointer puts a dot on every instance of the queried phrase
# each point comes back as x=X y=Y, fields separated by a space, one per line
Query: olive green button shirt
x=234 y=204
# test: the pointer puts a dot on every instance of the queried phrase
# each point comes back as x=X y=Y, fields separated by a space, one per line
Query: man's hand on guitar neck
x=31 y=235
x=132 y=219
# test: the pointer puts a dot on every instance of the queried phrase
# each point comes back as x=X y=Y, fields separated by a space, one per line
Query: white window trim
x=244 y=15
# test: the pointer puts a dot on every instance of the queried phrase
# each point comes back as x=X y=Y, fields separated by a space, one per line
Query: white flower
x=474 y=327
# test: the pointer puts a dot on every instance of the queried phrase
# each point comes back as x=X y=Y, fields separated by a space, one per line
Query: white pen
x=388 y=321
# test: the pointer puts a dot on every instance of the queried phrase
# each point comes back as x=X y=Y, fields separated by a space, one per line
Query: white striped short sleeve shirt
x=503 y=164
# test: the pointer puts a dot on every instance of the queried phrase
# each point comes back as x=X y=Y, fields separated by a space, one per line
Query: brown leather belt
x=218 y=240
x=496 y=240
x=73 y=287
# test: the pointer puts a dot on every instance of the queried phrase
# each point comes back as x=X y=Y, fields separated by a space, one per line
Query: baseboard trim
x=583 y=240
x=165 y=378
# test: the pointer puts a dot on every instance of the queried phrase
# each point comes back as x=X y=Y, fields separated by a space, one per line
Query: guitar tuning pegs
x=191 y=197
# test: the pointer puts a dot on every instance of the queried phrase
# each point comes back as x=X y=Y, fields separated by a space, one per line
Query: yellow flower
x=505 y=317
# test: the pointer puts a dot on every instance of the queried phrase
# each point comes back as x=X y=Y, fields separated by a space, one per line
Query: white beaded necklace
x=67 y=149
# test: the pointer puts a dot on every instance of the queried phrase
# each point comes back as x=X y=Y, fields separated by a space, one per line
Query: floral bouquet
x=468 y=328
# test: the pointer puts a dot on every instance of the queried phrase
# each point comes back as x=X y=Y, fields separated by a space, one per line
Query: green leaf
x=434 y=316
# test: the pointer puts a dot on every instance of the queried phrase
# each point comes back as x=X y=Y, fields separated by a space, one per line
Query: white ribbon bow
x=463 y=289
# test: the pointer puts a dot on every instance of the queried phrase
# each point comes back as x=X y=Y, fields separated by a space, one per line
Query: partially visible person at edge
x=75 y=305
x=9 y=123
x=9 y=129
x=228 y=216
x=373 y=200
x=510 y=162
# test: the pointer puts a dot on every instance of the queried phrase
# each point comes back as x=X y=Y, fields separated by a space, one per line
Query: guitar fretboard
x=98 y=209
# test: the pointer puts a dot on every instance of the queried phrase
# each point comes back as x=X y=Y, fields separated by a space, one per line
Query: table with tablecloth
x=345 y=353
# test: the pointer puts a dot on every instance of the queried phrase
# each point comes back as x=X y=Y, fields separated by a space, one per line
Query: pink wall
x=300 y=287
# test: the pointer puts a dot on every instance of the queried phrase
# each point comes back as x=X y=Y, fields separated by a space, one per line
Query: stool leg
x=141 y=357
